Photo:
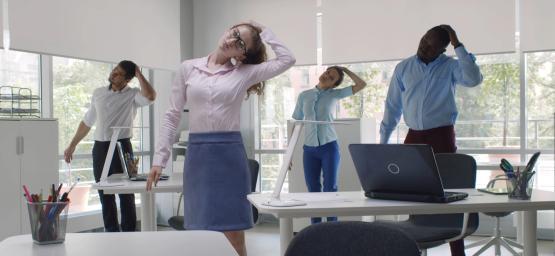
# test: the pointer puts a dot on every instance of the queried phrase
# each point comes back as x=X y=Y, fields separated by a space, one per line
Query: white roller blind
x=373 y=30
x=1 y=24
x=145 y=31
x=293 y=21
x=537 y=25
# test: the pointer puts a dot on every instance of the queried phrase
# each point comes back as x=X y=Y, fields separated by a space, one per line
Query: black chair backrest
x=352 y=238
x=456 y=171
x=254 y=168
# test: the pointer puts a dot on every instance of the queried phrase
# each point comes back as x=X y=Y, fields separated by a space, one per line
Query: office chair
x=353 y=238
x=456 y=171
x=254 y=168
x=177 y=221
x=496 y=240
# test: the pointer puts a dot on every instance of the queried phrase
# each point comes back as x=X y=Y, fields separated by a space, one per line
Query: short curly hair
x=129 y=67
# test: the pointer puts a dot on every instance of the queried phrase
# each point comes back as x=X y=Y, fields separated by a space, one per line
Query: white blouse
x=215 y=97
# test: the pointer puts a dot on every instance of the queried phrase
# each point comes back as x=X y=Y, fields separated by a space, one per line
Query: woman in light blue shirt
x=321 y=151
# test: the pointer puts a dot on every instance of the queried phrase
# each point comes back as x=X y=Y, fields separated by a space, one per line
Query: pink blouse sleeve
x=284 y=59
x=172 y=117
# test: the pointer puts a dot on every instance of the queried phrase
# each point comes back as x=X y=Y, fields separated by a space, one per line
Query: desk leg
x=529 y=228
x=519 y=230
x=285 y=233
x=148 y=211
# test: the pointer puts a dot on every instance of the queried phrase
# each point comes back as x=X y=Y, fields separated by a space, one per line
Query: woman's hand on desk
x=153 y=177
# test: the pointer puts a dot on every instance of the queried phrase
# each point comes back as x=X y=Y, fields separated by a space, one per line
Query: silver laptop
x=132 y=175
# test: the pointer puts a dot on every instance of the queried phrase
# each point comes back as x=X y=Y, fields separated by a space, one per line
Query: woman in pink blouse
x=216 y=178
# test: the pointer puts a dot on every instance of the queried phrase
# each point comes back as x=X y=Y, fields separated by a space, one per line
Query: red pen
x=27 y=194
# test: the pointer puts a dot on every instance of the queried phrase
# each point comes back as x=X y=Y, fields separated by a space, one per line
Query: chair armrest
x=463 y=230
x=491 y=183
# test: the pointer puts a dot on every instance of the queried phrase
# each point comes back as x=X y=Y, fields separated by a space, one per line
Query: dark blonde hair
x=256 y=54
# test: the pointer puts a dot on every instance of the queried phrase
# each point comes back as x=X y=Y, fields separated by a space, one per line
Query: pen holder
x=520 y=187
x=48 y=221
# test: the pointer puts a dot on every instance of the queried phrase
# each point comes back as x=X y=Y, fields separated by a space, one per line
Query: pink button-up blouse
x=215 y=97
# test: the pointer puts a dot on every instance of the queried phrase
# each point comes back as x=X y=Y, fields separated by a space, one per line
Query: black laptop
x=400 y=172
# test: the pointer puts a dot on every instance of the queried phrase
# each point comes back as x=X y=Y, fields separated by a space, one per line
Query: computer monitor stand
x=275 y=199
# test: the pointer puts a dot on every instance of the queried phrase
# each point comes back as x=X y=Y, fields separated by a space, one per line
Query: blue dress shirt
x=318 y=105
x=425 y=94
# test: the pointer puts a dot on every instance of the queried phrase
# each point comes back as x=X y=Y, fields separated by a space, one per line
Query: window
x=275 y=108
x=540 y=103
x=19 y=84
x=73 y=84
x=488 y=126
x=489 y=114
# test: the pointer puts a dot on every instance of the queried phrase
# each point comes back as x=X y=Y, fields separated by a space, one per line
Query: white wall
x=186 y=29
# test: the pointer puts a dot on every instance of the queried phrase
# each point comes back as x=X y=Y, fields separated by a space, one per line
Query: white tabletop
x=121 y=244
x=118 y=183
x=356 y=204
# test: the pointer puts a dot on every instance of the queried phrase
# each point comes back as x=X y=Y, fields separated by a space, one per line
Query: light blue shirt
x=318 y=105
x=425 y=94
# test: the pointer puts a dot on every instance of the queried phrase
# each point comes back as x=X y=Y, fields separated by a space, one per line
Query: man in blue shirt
x=422 y=89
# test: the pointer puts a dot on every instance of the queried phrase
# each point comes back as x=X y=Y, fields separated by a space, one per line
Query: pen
x=27 y=194
x=53 y=193
x=64 y=197
x=507 y=168
x=59 y=189
x=532 y=162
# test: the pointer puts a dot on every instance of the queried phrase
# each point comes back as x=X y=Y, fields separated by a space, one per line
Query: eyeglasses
x=238 y=41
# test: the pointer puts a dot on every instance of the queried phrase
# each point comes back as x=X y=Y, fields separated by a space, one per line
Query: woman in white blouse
x=216 y=178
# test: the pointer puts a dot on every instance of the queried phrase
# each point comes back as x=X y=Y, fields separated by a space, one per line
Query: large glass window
x=540 y=104
x=276 y=107
x=19 y=84
x=73 y=84
x=489 y=114
x=488 y=125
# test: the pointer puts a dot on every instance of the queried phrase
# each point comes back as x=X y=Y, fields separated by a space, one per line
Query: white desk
x=119 y=184
x=356 y=204
x=129 y=243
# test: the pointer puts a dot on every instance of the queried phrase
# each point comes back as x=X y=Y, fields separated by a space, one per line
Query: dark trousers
x=442 y=140
x=126 y=201
x=318 y=162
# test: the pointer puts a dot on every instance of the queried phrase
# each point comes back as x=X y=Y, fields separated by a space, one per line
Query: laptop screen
x=397 y=168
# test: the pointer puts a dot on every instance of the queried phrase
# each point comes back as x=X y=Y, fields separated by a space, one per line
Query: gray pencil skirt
x=216 y=183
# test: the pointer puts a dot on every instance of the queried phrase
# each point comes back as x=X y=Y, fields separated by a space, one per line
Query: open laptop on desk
x=400 y=172
x=133 y=176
